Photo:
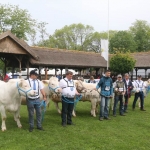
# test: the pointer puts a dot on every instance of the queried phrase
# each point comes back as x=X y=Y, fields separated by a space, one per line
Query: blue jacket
x=106 y=86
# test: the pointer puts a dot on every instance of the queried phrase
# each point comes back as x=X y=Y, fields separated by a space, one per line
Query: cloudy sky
x=58 y=13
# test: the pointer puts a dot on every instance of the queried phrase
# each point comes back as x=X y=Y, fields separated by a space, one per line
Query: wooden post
x=19 y=60
x=97 y=69
x=40 y=73
x=5 y=68
x=61 y=72
x=145 y=72
x=136 y=69
x=27 y=65
x=55 y=71
x=45 y=73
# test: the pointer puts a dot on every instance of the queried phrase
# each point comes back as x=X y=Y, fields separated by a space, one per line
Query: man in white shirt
x=68 y=93
x=139 y=84
x=34 y=101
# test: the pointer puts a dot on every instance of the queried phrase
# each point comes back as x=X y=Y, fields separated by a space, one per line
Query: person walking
x=119 y=89
x=68 y=93
x=34 y=101
x=106 y=93
x=140 y=86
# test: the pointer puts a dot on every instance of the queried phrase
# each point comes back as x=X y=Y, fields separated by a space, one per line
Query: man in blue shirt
x=106 y=93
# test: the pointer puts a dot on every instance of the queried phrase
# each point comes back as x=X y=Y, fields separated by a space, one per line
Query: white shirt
x=68 y=88
x=127 y=82
x=39 y=86
x=140 y=85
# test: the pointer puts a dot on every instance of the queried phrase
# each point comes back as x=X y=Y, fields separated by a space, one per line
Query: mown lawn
x=131 y=132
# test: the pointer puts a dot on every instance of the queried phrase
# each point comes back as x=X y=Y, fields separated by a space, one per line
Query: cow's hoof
x=4 y=129
x=59 y=112
x=20 y=126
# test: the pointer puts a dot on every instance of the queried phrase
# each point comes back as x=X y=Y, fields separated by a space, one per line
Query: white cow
x=10 y=98
x=88 y=94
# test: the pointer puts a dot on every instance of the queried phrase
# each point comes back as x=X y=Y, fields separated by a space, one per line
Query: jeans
x=31 y=105
x=67 y=109
x=121 y=108
x=137 y=95
x=104 y=107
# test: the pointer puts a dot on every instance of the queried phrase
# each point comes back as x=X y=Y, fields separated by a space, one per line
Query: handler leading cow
x=68 y=93
x=33 y=102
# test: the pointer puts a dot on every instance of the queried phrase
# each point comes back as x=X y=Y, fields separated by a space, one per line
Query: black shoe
x=40 y=128
x=122 y=115
x=107 y=118
x=125 y=112
x=133 y=108
x=70 y=123
x=64 y=124
x=143 y=110
x=101 y=119
x=30 y=129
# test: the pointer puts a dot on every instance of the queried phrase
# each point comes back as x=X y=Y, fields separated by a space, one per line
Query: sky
x=58 y=13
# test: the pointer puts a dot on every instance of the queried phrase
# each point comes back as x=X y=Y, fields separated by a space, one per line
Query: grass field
x=131 y=132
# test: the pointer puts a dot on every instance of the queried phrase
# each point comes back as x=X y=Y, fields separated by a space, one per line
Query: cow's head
x=53 y=84
x=79 y=86
x=24 y=88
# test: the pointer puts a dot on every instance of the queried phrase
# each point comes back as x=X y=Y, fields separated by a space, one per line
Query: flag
x=104 y=49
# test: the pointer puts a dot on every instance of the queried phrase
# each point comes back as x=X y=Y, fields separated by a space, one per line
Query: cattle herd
x=14 y=92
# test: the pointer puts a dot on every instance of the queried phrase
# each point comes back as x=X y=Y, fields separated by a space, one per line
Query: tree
x=141 y=33
x=122 y=41
x=74 y=36
x=94 y=43
x=17 y=20
x=122 y=63
x=43 y=33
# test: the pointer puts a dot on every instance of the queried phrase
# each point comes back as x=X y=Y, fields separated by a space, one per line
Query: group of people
x=121 y=89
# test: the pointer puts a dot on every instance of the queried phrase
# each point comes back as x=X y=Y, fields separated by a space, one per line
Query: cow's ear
x=45 y=81
x=21 y=82
x=76 y=83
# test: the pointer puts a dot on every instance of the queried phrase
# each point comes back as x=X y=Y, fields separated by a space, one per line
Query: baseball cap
x=33 y=72
x=119 y=76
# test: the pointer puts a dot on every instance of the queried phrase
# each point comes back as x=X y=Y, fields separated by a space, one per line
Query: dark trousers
x=137 y=95
x=126 y=97
x=31 y=105
x=118 y=98
x=67 y=109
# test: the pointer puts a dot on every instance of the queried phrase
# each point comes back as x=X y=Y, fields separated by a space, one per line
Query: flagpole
x=108 y=37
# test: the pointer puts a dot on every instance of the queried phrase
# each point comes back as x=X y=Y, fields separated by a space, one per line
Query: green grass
x=131 y=132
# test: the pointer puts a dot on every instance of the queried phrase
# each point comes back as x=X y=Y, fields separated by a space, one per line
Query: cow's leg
x=57 y=107
x=73 y=113
x=93 y=102
x=112 y=104
x=97 y=104
x=17 y=117
x=3 y=115
x=139 y=103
